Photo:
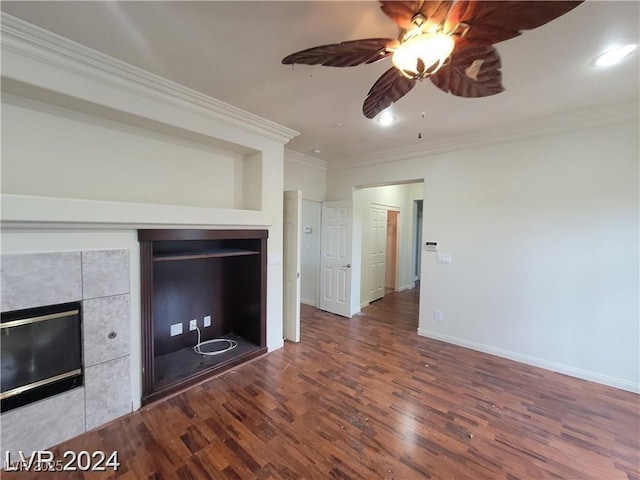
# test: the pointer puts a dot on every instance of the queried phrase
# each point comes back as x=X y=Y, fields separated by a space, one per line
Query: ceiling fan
x=451 y=42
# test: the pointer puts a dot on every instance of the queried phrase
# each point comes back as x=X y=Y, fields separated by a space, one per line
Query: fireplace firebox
x=41 y=353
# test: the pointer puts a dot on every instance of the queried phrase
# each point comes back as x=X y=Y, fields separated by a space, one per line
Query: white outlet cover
x=193 y=324
x=176 y=329
x=437 y=315
x=443 y=257
x=207 y=321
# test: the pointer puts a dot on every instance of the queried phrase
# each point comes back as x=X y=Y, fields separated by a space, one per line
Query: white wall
x=307 y=174
x=56 y=152
x=399 y=197
x=543 y=234
x=310 y=253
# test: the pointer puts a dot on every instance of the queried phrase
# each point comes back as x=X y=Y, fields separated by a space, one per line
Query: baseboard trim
x=406 y=287
x=536 y=362
x=276 y=346
x=311 y=303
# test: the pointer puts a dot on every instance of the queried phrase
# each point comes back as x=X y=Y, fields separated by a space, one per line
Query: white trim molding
x=534 y=361
x=69 y=68
x=306 y=160
x=543 y=126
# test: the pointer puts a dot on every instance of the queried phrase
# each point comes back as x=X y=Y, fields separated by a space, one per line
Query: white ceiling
x=231 y=50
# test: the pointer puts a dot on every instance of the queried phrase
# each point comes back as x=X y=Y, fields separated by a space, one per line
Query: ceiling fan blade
x=495 y=21
x=473 y=72
x=389 y=88
x=345 y=54
x=436 y=11
x=402 y=12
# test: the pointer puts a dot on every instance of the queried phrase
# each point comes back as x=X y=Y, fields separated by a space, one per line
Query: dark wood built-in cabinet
x=192 y=274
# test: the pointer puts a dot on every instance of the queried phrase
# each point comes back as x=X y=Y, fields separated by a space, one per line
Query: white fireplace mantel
x=28 y=212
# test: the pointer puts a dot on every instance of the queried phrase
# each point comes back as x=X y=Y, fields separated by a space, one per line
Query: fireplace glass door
x=41 y=353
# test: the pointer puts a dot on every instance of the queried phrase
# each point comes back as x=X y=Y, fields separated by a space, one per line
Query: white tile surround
x=37 y=280
x=43 y=424
x=100 y=315
x=100 y=279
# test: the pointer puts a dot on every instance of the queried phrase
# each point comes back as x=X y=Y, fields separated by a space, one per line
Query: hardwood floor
x=368 y=398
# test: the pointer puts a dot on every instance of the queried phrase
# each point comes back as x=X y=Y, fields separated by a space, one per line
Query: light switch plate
x=207 y=321
x=176 y=329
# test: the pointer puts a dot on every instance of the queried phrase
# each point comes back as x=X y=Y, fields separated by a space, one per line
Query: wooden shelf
x=183 y=364
x=217 y=253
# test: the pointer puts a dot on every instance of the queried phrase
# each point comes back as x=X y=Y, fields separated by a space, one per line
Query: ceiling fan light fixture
x=423 y=55
x=614 y=56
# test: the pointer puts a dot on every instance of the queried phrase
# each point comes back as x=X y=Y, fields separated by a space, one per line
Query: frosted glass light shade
x=432 y=48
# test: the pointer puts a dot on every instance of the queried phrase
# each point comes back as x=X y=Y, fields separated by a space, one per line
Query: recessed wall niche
x=216 y=278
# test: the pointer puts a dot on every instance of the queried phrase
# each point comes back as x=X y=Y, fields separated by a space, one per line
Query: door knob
x=348 y=265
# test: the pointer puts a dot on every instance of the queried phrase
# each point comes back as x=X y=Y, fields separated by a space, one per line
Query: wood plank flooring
x=368 y=398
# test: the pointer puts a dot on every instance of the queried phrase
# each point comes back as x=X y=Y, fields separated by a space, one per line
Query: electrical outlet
x=443 y=257
x=207 y=321
x=192 y=325
x=176 y=329
x=437 y=315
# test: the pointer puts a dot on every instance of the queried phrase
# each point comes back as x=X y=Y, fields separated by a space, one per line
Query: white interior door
x=291 y=264
x=335 y=257
x=377 y=252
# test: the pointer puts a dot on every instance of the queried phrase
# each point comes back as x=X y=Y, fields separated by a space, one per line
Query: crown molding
x=306 y=160
x=615 y=113
x=35 y=43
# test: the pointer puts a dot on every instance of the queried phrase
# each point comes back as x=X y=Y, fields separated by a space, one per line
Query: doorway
x=395 y=204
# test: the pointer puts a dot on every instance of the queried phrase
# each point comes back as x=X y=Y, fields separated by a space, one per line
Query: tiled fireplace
x=99 y=280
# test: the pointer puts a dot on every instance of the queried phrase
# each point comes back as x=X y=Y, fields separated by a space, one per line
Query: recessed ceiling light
x=338 y=124
x=614 y=56
x=315 y=150
x=386 y=118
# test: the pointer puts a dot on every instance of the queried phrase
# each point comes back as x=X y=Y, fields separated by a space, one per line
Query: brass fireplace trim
x=40 y=383
x=41 y=318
